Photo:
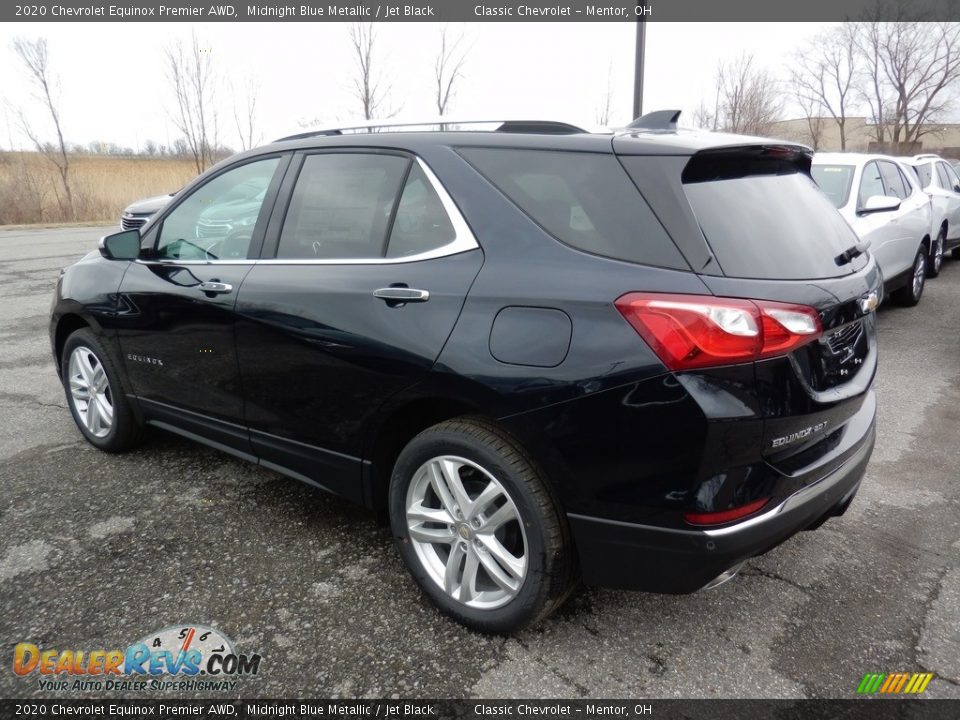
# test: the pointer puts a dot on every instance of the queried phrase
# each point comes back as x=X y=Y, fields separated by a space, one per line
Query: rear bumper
x=666 y=560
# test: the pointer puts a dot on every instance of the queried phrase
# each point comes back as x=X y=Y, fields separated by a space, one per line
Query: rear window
x=834 y=181
x=771 y=223
x=585 y=200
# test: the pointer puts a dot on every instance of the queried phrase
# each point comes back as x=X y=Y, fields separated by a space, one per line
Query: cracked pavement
x=99 y=550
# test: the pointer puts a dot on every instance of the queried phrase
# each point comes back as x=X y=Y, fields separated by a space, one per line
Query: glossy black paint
x=301 y=369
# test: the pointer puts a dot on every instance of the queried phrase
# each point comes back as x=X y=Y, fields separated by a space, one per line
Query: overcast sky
x=113 y=87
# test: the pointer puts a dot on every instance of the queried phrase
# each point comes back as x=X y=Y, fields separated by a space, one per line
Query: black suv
x=636 y=358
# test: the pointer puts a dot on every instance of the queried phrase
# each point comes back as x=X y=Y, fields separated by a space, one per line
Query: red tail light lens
x=693 y=331
x=725 y=516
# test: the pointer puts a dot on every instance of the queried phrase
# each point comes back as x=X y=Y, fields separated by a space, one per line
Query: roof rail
x=546 y=127
x=656 y=120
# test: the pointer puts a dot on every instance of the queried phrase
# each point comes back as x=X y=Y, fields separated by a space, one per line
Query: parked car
x=136 y=214
x=883 y=202
x=543 y=354
x=939 y=180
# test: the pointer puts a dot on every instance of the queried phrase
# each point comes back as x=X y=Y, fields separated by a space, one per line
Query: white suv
x=940 y=181
x=883 y=202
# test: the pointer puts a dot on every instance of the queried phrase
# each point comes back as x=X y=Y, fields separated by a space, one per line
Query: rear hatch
x=755 y=226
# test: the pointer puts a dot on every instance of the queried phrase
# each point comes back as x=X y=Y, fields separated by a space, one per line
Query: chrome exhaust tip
x=725 y=576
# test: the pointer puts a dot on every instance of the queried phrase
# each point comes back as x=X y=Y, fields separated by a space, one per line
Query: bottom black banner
x=873 y=709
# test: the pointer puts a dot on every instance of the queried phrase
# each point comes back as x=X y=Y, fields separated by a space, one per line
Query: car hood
x=148 y=205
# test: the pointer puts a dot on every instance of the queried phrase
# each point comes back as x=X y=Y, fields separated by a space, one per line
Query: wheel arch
x=400 y=425
x=67 y=324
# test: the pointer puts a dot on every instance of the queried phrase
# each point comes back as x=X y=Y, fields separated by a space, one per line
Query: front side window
x=892 y=180
x=216 y=220
x=341 y=206
x=924 y=174
x=870 y=183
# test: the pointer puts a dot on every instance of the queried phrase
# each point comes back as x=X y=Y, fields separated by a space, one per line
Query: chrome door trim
x=463 y=241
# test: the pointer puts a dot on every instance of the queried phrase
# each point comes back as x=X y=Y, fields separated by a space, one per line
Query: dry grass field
x=30 y=189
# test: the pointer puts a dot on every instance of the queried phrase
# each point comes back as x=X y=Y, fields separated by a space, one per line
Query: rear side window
x=952 y=174
x=421 y=224
x=945 y=182
x=341 y=206
x=892 y=180
x=767 y=222
x=834 y=181
x=585 y=200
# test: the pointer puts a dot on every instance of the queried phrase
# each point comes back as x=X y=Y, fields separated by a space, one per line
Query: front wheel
x=936 y=255
x=910 y=294
x=477 y=528
x=95 y=396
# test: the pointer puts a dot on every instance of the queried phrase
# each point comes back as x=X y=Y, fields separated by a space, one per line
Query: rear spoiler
x=727 y=163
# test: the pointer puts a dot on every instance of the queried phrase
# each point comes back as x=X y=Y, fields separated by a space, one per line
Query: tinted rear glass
x=834 y=181
x=583 y=199
x=775 y=225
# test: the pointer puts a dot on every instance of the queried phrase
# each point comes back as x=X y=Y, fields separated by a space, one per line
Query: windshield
x=834 y=181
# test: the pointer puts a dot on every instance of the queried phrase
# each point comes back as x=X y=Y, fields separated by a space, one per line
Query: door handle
x=398 y=295
x=216 y=288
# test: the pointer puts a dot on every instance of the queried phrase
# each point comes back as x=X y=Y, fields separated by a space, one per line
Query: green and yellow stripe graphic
x=894 y=683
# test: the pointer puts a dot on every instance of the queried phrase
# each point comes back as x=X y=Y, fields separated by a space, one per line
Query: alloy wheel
x=467 y=532
x=919 y=274
x=938 y=253
x=90 y=391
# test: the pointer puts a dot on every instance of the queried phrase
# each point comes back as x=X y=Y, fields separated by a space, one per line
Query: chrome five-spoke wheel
x=466 y=531
x=90 y=391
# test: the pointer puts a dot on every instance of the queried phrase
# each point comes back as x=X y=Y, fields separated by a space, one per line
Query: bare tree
x=448 y=68
x=245 y=117
x=33 y=54
x=824 y=76
x=749 y=98
x=368 y=84
x=912 y=69
x=192 y=77
x=603 y=110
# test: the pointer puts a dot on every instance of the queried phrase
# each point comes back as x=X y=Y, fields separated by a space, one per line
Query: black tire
x=125 y=429
x=909 y=295
x=935 y=261
x=955 y=253
x=550 y=556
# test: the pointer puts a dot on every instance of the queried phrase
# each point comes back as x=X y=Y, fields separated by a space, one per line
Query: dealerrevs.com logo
x=184 y=657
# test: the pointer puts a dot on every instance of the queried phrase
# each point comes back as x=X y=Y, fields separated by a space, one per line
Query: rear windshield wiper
x=851 y=252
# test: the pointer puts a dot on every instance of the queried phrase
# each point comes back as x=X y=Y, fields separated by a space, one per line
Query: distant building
x=943 y=138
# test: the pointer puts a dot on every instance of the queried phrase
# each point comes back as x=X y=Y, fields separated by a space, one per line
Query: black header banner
x=231 y=709
x=476 y=10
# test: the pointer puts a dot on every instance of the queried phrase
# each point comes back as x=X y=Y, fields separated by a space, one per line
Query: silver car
x=882 y=201
x=939 y=180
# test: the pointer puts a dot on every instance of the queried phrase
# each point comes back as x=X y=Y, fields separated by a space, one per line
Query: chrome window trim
x=463 y=240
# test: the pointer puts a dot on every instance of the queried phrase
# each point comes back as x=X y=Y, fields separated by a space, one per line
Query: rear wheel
x=477 y=528
x=936 y=254
x=909 y=295
x=94 y=394
x=955 y=253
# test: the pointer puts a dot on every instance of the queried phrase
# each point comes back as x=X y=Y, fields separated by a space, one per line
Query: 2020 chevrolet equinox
x=636 y=358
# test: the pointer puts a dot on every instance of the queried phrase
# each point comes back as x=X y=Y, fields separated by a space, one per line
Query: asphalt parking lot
x=99 y=550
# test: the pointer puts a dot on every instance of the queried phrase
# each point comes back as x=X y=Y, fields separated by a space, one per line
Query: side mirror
x=879 y=203
x=121 y=246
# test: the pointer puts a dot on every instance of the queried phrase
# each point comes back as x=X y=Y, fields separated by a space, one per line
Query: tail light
x=725 y=516
x=693 y=331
